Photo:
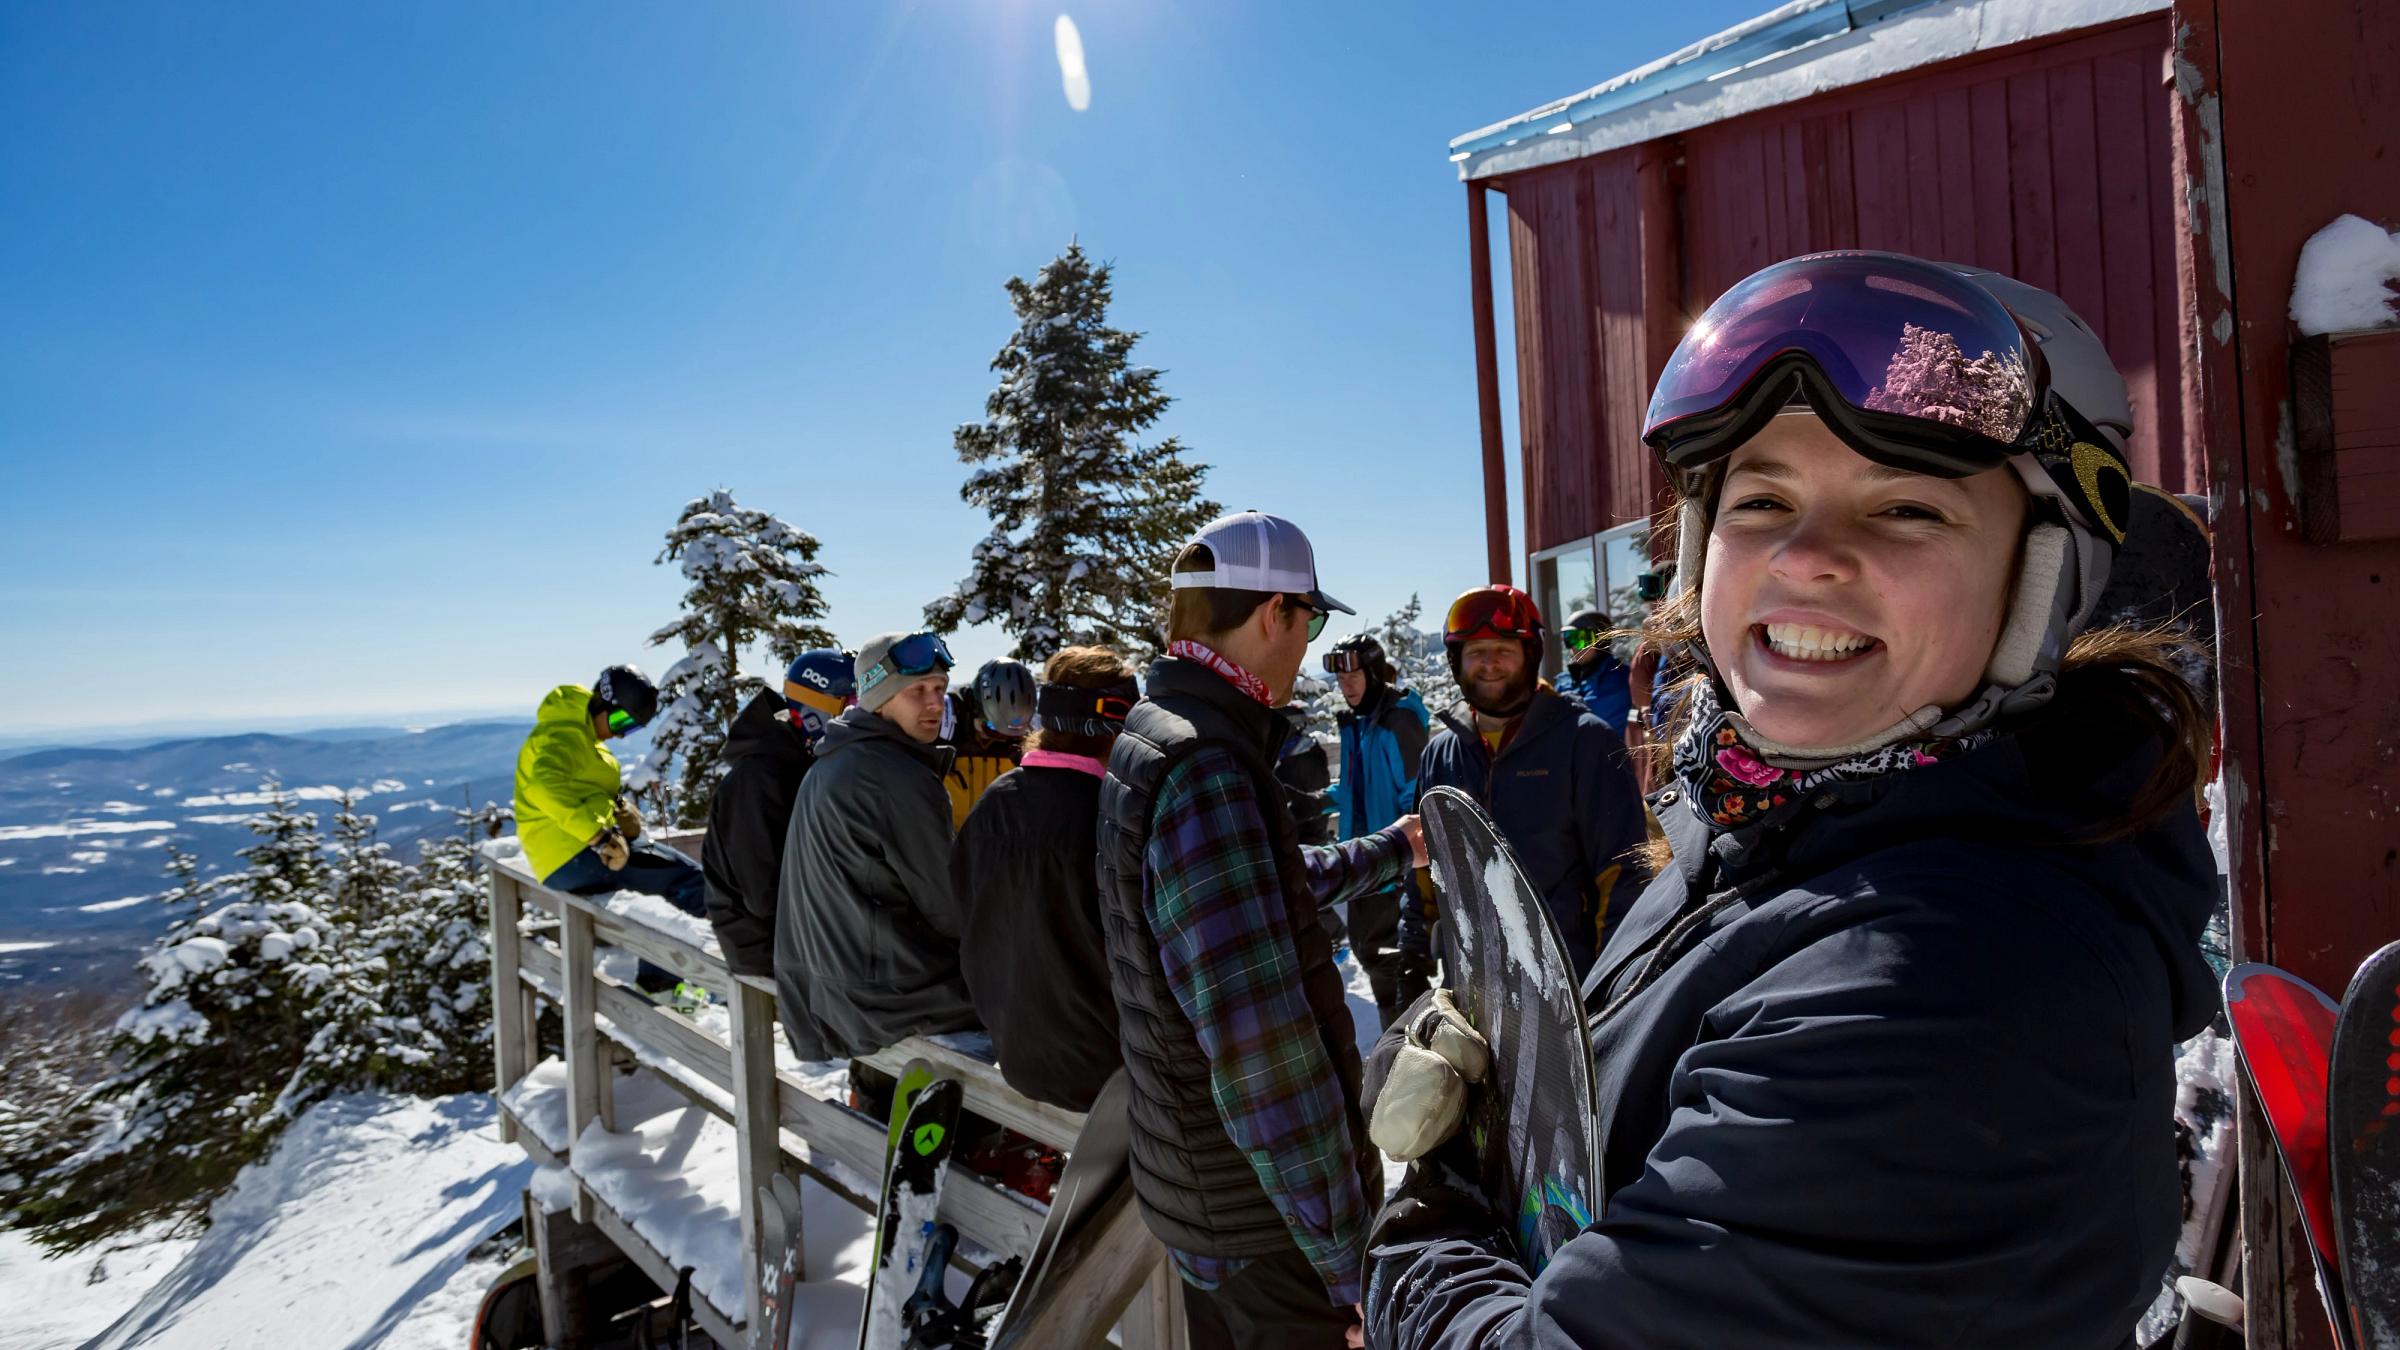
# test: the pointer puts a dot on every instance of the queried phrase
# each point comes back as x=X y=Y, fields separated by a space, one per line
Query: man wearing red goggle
x=1553 y=776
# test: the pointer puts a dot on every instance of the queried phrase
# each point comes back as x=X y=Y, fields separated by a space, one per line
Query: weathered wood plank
x=754 y=1092
x=721 y=1328
x=988 y=1094
x=508 y=1010
x=582 y=1035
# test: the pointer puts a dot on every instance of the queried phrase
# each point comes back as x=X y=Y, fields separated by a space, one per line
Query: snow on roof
x=1805 y=48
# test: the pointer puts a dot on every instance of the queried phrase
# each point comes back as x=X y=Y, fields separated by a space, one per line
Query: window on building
x=1602 y=571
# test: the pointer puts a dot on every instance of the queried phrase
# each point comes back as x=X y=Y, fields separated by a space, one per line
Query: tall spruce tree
x=753 y=580
x=1085 y=521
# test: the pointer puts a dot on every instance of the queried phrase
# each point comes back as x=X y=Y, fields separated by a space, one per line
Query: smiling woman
x=1892 y=1033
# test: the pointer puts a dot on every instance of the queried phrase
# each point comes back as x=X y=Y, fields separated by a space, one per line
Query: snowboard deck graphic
x=1096 y=1166
x=2283 y=1029
x=905 y=1222
x=1531 y=1121
x=779 y=1232
x=2363 y=1139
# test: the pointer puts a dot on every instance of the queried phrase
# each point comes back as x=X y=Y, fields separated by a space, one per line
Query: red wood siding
x=1587 y=338
x=2050 y=162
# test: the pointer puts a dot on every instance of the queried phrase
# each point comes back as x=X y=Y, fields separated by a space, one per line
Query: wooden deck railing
x=545 y=947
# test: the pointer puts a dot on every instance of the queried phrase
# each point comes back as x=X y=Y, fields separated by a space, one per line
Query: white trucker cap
x=1258 y=552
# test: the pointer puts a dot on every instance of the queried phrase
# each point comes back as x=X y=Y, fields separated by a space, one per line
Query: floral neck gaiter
x=1735 y=786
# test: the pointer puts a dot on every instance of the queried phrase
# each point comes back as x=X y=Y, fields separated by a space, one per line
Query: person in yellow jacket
x=580 y=833
x=985 y=726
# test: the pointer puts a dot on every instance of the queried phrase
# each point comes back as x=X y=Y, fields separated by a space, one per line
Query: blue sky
x=353 y=358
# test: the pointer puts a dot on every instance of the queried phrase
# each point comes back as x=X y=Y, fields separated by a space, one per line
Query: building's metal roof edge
x=1804 y=48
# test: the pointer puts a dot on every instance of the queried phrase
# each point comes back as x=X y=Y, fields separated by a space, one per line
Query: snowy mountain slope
x=354 y=1233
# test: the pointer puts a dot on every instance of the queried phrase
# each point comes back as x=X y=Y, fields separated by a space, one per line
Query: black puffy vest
x=1199 y=1193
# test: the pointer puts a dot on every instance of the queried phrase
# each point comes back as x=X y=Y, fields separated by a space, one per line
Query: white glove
x=1425 y=1095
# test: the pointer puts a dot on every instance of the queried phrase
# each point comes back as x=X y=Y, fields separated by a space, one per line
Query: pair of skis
x=2328 y=1078
x=924 y=1122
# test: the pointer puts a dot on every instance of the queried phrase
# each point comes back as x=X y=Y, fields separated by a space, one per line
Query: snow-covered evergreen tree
x=753 y=581
x=433 y=951
x=1423 y=664
x=1084 y=521
x=206 y=1061
x=367 y=882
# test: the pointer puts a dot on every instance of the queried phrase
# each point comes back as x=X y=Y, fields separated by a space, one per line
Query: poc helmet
x=817 y=686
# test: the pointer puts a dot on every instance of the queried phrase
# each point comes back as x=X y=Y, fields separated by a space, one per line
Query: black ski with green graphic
x=908 y=1216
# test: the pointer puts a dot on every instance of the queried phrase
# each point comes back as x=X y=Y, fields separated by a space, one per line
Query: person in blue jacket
x=1383 y=735
x=1885 y=1056
x=1597 y=679
x=1555 y=779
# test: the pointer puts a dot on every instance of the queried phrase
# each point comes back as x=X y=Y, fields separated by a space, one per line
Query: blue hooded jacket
x=1563 y=794
x=1381 y=744
x=1896 y=1070
x=1604 y=687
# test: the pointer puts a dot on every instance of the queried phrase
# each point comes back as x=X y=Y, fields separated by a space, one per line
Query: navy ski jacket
x=1896 y=1072
x=1563 y=795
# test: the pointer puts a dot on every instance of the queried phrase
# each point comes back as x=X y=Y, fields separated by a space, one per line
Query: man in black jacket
x=866 y=929
x=1032 y=949
x=767 y=752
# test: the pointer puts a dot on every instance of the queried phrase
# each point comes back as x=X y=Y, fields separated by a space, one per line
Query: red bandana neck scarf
x=1236 y=676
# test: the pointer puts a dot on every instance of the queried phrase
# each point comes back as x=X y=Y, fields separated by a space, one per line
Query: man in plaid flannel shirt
x=1250 y=1155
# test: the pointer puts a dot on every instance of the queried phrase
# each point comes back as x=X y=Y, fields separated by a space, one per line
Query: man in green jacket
x=580 y=834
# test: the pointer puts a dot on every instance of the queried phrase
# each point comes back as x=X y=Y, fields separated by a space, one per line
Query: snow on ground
x=670 y=1170
x=6 y=947
x=1368 y=1024
x=104 y=906
x=57 y=1303
x=353 y=1233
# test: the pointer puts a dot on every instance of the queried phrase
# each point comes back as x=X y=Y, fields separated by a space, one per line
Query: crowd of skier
x=1882 y=980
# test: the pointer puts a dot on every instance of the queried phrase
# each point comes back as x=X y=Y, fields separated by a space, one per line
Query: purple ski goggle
x=1912 y=365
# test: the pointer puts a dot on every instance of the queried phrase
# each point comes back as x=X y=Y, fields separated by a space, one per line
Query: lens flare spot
x=1071 y=74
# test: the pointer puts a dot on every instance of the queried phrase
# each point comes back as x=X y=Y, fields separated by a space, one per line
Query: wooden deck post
x=583 y=1035
x=757 y=1119
x=509 y=1009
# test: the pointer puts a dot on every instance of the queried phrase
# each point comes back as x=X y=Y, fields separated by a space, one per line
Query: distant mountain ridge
x=84 y=829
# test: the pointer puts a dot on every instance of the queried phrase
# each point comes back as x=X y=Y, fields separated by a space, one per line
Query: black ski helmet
x=1004 y=697
x=1372 y=659
x=625 y=689
x=1588 y=619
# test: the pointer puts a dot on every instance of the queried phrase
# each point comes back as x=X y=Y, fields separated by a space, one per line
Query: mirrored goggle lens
x=919 y=654
x=621 y=720
x=1342 y=663
x=1887 y=334
x=1578 y=639
x=1489 y=614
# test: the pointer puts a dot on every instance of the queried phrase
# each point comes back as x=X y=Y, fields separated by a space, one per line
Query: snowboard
x=1530 y=1122
x=2283 y=1030
x=2160 y=578
x=1096 y=1166
x=2363 y=1138
x=905 y=1218
x=779 y=1234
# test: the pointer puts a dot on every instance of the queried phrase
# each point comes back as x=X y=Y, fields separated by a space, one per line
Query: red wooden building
x=2159 y=167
